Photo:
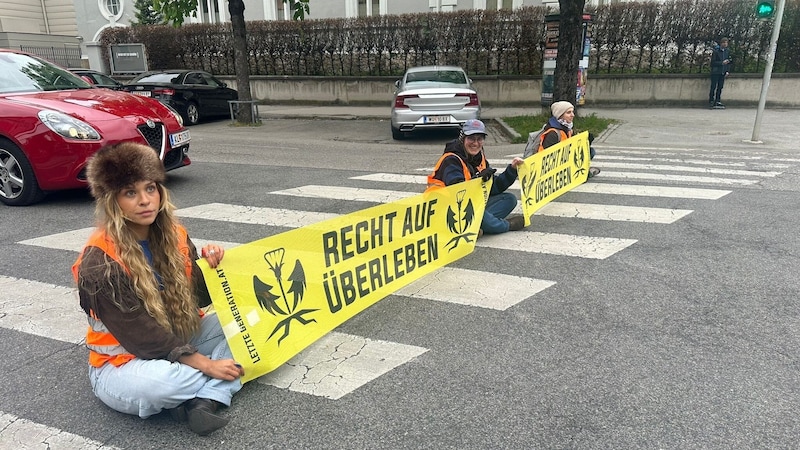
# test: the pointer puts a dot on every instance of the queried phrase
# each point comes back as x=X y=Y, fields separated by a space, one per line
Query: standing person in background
x=463 y=160
x=150 y=346
x=720 y=69
x=559 y=128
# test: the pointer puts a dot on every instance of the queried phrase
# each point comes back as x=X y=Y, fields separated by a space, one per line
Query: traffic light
x=765 y=9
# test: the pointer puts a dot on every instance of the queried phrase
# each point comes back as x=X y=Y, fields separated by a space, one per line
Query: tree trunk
x=570 y=47
x=240 y=57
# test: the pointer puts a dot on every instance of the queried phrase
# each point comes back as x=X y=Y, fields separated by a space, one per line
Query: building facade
x=44 y=27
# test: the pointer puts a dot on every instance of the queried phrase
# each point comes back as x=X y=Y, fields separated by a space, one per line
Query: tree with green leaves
x=570 y=46
x=174 y=11
x=146 y=13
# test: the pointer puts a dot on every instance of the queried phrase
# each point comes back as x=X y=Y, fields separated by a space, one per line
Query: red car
x=51 y=121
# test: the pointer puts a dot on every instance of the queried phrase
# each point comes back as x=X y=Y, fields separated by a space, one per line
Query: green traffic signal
x=765 y=9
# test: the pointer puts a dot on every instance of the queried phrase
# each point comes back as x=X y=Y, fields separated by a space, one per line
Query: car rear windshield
x=437 y=76
x=23 y=73
x=156 y=78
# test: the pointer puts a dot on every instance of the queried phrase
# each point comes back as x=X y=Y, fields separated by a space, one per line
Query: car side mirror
x=397 y=83
x=224 y=84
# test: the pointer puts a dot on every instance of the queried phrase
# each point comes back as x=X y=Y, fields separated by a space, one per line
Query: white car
x=433 y=97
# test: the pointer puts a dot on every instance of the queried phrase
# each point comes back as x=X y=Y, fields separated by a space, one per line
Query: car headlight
x=177 y=115
x=68 y=126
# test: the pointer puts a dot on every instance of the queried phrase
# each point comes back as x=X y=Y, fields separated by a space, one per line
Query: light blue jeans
x=145 y=387
x=497 y=208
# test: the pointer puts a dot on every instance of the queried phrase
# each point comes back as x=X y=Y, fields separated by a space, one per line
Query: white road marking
x=577 y=210
x=22 y=434
x=254 y=215
x=593 y=188
x=338 y=364
x=75 y=239
x=556 y=244
x=651 y=191
x=612 y=212
x=707 y=162
x=707 y=170
x=665 y=177
x=474 y=288
x=42 y=309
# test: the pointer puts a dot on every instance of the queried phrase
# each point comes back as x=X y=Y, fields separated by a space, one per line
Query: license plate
x=142 y=93
x=436 y=119
x=178 y=139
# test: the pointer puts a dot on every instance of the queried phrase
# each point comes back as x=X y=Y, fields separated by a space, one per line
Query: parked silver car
x=433 y=97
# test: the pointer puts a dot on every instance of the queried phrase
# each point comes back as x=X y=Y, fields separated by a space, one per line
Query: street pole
x=773 y=44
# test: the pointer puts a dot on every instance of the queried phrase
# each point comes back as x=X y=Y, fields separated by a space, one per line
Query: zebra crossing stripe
x=22 y=434
x=347 y=193
x=452 y=285
x=254 y=215
x=612 y=212
x=74 y=240
x=665 y=177
x=667 y=151
x=556 y=244
x=592 y=188
x=557 y=209
x=651 y=191
x=708 y=170
x=42 y=309
x=707 y=162
x=338 y=363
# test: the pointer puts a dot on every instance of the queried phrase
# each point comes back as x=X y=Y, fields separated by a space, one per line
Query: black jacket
x=718 y=55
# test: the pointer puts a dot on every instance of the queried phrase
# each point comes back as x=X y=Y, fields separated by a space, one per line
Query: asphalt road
x=686 y=338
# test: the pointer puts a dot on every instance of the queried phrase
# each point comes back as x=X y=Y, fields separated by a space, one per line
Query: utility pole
x=773 y=44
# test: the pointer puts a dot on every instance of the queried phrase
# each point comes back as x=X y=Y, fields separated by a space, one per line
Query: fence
x=69 y=57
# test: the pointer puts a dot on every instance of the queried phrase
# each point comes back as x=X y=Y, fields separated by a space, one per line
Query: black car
x=193 y=93
x=98 y=79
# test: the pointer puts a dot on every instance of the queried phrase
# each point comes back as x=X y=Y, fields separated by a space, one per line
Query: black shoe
x=202 y=420
x=515 y=222
x=593 y=171
x=719 y=105
x=178 y=413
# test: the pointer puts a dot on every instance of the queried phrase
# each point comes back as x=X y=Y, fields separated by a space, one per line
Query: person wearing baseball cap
x=463 y=160
x=559 y=128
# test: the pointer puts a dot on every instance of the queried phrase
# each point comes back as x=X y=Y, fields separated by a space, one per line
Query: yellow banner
x=546 y=175
x=277 y=295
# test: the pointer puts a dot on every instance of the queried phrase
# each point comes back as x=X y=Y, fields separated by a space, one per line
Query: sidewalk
x=637 y=127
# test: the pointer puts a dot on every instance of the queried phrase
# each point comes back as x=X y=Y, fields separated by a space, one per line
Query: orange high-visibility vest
x=103 y=346
x=563 y=136
x=435 y=183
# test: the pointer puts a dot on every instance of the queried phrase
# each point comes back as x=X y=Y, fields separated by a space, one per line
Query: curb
x=509 y=132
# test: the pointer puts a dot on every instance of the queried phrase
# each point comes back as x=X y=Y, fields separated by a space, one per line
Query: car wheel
x=192 y=114
x=18 y=186
x=397 y=134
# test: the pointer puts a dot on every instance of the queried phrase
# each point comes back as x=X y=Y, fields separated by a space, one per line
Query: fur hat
x=115 y=166
x=559 y=108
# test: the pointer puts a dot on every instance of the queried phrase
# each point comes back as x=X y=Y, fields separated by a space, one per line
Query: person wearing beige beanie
x=559 y=128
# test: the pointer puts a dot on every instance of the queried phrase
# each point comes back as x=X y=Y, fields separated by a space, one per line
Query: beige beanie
x=559 y=108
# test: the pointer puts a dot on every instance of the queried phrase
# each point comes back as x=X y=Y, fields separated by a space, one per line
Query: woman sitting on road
x=150 y=346
x=559 y=128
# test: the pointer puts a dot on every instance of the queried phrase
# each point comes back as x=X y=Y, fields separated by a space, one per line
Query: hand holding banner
x=545 y=175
